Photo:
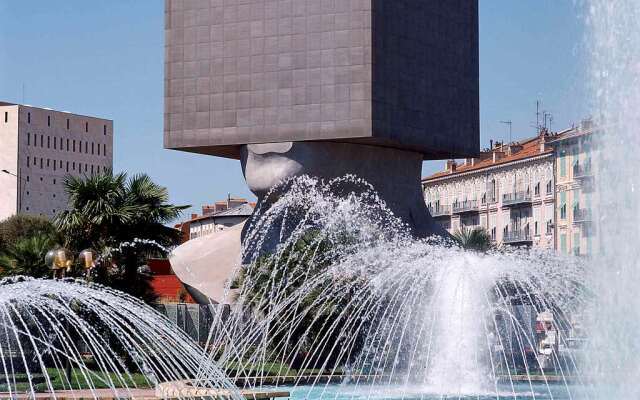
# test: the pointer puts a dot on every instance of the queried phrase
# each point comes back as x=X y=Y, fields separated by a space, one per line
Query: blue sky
x=105 y=58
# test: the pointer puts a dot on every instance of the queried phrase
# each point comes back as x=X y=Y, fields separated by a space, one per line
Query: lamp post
x=19 y=179
x=59 y=261
x=88 y=259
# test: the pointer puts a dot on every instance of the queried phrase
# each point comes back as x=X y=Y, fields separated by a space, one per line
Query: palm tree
x=26 y=257
x=109 y=210
x=473 y=239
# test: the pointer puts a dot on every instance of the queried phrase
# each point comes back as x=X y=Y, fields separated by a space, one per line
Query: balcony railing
x=465 y=206
x=440 y=211
x=510 y=199
x=517 y=236
x=582 y=171
x=581 y=215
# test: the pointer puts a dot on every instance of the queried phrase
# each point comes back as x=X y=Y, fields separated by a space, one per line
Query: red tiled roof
x=529 y=148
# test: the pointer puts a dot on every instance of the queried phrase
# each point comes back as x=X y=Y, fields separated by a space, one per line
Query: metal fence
x=194 y=319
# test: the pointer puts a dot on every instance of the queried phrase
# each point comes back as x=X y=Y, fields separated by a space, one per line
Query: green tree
x=124 y=219
x=22 y=226
x=26 y=257
x=477 y=239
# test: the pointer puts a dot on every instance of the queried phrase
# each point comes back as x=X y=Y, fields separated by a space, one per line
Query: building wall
x=8 y=160
x=53 y=144
x=487 y=190
x=206 y=226
x=575 y=197
x=260 y=71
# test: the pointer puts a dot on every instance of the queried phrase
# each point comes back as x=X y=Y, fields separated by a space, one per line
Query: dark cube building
x=396 y=73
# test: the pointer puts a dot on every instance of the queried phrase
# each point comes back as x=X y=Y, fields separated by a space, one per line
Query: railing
x=581 y=215
x=517 y=236
x=439 y=211
x=516 y=198
x=582 y=171
x=465 y=206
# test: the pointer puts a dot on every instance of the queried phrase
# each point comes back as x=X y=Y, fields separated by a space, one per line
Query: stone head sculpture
x=325 y=88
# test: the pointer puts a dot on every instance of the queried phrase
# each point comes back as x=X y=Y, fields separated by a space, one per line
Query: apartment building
x=574 y=177
x=216 y=217
x=39 y=148
x=508 y=190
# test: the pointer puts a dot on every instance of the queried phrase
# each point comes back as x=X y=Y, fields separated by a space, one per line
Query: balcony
x=582 y=171
x=466 y=206
x=440 y=211
x=581 y=216
x=518 y=237
x=517 y=198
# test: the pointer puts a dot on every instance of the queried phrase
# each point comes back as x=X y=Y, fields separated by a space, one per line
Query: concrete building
x=509 y=190
x=574 y=177
x=39 y=148
x=217 y=217
x=400 y=74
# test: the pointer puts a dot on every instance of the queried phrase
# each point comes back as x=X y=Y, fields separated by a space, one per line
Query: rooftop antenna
x=538 y=115
x=546 y=116
x=508 y=122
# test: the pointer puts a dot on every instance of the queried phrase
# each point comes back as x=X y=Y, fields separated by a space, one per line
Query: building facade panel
x=368 y=71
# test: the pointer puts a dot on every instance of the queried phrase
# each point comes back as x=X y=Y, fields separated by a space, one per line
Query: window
x=563 y=163
x=104 y=149
x=67 y=123
x=48 y=142
x=74 y=146
x=104 y=130
x=54 y=165
x=86 y=147
x=6 y=117
x=67 y=166
x=48 y=163
x=55 y=143
x=86 y=127
x=28 y=138
x=536 y=189
x=91 y=147
x=27 y=178
x=28 y=118
x=41 y=140
x=74 y=165
x=98 y=148
x=563 y=243
x=91 y=169
x=27 y=161
x=67 y=144
x=48 y=120
x=535 y=228
x=40 y=164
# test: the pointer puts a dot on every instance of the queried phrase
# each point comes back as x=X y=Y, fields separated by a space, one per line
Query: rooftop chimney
x=450 y=166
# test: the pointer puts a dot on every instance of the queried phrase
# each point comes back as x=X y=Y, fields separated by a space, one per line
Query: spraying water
x=614 y=353
x=350 y=294
x=82 y=340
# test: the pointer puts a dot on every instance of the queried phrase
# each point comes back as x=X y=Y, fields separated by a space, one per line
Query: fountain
x=343 y=292
x=614 y=44
x=74 y=339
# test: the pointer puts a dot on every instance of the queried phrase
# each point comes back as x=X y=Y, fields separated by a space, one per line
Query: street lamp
x=59 y=261
x=87 y=258
x=19 y=199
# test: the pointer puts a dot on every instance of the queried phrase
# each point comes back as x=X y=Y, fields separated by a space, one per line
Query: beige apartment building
x=536 y=192
x=574 y=152
x=508 y=190
x=39 y=148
